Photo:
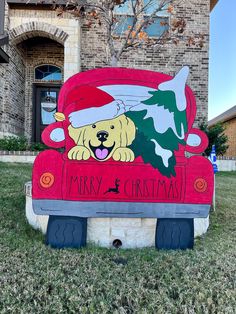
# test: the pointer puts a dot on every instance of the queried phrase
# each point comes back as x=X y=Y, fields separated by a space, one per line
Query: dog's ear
x=77 y=134
x=127 y=131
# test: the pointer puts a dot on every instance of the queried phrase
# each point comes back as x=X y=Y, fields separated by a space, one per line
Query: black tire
x=66 y=232
x=175 y=234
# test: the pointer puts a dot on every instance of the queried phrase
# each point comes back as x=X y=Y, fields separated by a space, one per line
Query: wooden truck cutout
x=123 y=134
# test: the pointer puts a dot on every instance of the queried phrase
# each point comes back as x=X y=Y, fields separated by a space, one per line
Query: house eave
x=37 y=2
x=64 y=2
x=223 y=117
x=212 y=4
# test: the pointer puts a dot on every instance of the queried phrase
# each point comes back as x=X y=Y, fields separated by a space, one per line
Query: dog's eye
x=94 y=126
x=112 y=127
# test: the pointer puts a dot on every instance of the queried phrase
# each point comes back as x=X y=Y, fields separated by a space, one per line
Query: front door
x=45 y=107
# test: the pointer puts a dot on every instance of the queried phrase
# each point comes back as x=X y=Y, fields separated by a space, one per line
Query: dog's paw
x=123 y=154
x=79 y=153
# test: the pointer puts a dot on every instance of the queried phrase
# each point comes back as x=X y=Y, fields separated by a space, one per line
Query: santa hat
x=88 y=104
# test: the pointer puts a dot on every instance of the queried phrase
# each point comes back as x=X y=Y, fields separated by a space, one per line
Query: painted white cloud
x=57 y=135
x=193 y=140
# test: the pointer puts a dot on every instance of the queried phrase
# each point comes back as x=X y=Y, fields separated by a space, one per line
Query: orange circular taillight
x=200 y=185
x=46 y=180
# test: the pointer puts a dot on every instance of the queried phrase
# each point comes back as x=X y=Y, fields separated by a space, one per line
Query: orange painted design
x=46 y=180
x=200 y=185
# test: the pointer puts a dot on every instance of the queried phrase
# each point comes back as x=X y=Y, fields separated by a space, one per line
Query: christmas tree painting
x=161 y=124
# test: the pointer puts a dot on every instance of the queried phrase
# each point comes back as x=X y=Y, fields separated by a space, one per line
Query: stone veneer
x=18 y=156
x=32 y=22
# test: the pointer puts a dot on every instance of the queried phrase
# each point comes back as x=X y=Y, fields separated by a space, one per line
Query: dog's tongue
x=101 y=153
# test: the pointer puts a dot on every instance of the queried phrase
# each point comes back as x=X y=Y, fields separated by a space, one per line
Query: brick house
x=228 y=119
x=44 y=50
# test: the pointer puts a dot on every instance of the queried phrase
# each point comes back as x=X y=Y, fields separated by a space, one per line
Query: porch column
x=72 y=49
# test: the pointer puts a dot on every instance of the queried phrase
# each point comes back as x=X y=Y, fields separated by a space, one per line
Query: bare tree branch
x=106 y=14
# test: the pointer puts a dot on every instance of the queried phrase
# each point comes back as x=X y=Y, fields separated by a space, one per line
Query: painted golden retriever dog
x=103 y=140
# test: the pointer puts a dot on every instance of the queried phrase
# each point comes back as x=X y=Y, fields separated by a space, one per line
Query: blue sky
x=222 y=75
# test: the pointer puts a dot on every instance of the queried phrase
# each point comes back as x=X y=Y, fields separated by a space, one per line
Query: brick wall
x=84 y=49
x=2 y=93
x=230 y=131
x=169 y=59
x=12 y=88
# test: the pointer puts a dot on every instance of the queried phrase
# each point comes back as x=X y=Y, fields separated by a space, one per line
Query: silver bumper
x=119 y=209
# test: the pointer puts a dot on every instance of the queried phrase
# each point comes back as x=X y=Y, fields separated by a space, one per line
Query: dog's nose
x=102 y=136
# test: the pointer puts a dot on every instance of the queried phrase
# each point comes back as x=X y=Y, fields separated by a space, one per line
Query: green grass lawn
x=37 y=279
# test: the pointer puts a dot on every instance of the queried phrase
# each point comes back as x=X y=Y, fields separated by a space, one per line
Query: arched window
x=48 y=73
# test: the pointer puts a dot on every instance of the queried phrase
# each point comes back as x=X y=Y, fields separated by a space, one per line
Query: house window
x=152 y=5
x=124 y=8
x=122 y=24
x=48 y=106
x=48 y=73
x=124 y=19
x=158 y=26
x=160 y=23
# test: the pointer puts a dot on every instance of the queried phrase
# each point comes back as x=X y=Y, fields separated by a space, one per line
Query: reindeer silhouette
x=114 y=190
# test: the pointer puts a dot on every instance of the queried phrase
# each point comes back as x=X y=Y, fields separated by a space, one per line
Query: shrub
x=12 y=143
x=20 y=143
x=37 y=147
x=216 y=137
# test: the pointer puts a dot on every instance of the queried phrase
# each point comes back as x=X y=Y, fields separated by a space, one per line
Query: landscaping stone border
x=226 y=164
x=18 y=156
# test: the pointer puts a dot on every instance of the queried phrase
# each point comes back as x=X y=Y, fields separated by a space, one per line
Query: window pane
x=38 y=74
x=158 y=27
x=48 y=107
x=152 y=5
x=123 y=23
x=48 y=73
x=123 y=8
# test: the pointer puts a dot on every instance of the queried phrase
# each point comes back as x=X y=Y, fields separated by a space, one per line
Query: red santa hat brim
x=86 y=105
